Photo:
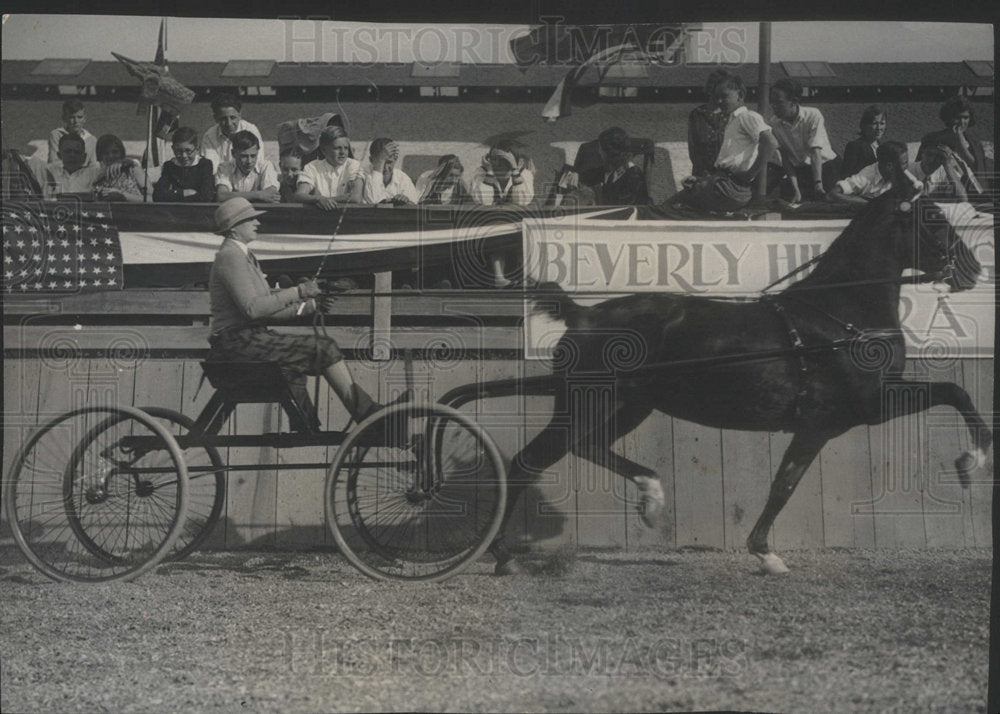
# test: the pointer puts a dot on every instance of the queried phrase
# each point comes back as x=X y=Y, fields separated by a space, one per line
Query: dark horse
x=812 y=360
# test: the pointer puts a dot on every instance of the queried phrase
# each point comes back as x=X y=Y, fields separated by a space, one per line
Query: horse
x=799 y=360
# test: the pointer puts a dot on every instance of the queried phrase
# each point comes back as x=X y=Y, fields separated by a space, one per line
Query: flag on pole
x=582 y=46
x=60 y=247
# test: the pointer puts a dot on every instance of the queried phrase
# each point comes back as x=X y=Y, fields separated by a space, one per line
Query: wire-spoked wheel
x=206 y=483
x=97 y=494
x=416 y=492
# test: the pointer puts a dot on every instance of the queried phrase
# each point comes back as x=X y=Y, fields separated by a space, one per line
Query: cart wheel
x=206 y=484
x=421 y=509
x=97 y=494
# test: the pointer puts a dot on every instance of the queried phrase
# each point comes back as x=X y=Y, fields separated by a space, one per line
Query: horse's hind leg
x=798 y=456
x=592 y=448
x=952 y=395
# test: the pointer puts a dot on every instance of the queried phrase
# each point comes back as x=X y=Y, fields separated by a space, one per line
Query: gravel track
x=847 y=630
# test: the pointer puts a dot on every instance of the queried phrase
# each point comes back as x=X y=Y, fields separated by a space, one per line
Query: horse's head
x=935 y=237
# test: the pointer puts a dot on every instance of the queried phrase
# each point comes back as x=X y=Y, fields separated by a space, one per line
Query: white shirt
x=740 y=140
x=425 y=182
x=89 y=142
x=263 y=176
x=521 y=194
x=58 y=180
x=866 y=183
x=219 y=148
x=797 y=139
x=377 y=191
x=329 y=180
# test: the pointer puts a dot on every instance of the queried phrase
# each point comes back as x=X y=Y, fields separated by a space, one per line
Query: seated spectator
x=384 y=183
x=334 y=179
x=71 y=174
x=889 y=173
x=958 y=118
x=503 y=178
x=303 y=134
x=623 y=183
x=188 y=177
x=443 y=185
x=747 y=144
x=247 y=175
x=809 y=166
x=860 y=152
x=216 y=144
x=706 y=125
x=941 y=173
x=289 y=168
x=74 y=117
x=118 y=180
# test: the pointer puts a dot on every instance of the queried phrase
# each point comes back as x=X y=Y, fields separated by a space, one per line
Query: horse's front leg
x=799 y=454
x=952 y=395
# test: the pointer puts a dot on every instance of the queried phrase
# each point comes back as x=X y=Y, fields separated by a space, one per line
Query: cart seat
x=264 y=383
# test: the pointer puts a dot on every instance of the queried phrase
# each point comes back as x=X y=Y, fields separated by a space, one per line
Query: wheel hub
x=144 y=488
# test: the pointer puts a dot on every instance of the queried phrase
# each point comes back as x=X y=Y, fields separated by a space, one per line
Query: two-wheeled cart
x=101 y=493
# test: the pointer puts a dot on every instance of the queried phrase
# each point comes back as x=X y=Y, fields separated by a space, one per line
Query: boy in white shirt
x=384 y=183
x=747 y=144
x=74 y=117
x=808 y=162
x=889 y=173
x=71 y=174
x=216 y=144
x=247 y=175
x=334 y=179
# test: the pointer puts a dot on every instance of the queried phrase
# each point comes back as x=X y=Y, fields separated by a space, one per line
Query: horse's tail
x=551 y=299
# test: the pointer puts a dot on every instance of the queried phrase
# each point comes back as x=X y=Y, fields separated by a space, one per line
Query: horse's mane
x=840 y=261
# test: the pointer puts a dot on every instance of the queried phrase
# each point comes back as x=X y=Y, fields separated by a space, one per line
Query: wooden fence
x=887 y=486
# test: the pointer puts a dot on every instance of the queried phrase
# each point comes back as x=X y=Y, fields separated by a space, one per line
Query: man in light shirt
x=247 y=175
x=384 y=183
x=808 y=163
x=889 y=173
x=216 y=144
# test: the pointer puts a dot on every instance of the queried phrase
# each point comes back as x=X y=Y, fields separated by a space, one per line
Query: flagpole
x=149 y=154
x=763 y=95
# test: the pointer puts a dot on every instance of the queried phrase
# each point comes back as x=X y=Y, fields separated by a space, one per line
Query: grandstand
x=459 y=108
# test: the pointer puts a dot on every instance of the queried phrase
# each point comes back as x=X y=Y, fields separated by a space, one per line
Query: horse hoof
x=772 y=564
x=651 y=501
x=509 y=567
x=967 y=463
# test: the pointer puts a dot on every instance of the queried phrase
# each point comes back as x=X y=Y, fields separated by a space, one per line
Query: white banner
x=595 y=260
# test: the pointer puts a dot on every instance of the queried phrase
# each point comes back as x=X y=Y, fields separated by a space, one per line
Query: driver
x=241 y=301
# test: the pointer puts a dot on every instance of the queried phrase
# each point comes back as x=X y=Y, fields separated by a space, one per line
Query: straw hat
x=233 y=211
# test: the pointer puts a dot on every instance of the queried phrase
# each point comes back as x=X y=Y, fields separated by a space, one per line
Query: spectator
x=890 y=173
x=747 y=144
x=334 y=178
x=623 y=183
x=186 y=178
x=247 y=175
x=118 y=180
x=74 y=117
x=216 y=144
x=289 y=168
x=503 y=178
x=861 y=151
x=706 y=125
x=941 y=173
x=958 y=118
x=808 y=164
x=444 y=183
x=384 y=183
x=71 y=174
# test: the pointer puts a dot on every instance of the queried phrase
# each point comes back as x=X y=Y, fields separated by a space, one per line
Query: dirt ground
x=847 y=630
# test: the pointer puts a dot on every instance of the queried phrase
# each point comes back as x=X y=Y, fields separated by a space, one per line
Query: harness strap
x=798 y=347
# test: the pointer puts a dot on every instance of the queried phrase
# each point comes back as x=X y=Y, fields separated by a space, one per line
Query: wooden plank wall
x=889 y=486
